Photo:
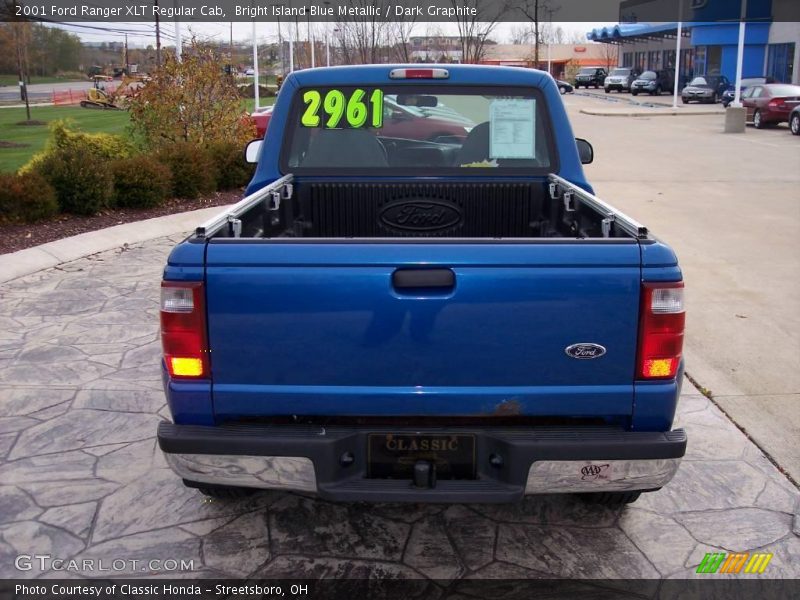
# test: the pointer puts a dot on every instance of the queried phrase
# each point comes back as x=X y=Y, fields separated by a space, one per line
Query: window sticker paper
x=512 y=131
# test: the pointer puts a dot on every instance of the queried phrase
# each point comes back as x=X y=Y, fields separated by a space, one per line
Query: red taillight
x=661 y=322
x=183 y=329
x=419 y=74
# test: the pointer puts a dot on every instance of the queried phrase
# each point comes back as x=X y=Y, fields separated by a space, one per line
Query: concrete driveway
x=728 y=205
x=81 y=475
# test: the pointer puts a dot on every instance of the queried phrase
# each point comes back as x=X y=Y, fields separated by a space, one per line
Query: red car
x=770 y=103
x=261 y=119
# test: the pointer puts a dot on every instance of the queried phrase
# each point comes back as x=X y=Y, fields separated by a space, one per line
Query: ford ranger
x=431 y=318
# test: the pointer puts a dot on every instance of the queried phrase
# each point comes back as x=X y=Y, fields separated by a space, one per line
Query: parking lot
x=81 y=475
x=727 y=204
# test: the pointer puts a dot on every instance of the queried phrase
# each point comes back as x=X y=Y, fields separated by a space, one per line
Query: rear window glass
x=784 y=90
x=417 y=129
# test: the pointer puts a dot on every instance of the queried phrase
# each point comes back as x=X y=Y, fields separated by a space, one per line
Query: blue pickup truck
x=450 y=315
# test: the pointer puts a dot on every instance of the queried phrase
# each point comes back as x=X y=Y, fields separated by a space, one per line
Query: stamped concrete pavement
x=81 y=475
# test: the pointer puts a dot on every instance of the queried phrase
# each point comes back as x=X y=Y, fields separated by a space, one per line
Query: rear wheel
x=794 y=124
x=610 y=498
x=220 y=492
x=685 y=100
x=758 y=122
x=563 y=90
x=658 y=91
x=714 y=99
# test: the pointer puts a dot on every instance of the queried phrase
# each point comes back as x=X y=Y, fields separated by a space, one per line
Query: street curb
x=24 y=262
x=599 y=112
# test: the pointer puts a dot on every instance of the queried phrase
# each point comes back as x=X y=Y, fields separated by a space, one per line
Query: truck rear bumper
x=533 y=460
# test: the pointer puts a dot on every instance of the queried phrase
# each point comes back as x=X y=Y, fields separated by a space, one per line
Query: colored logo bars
x=734 y=562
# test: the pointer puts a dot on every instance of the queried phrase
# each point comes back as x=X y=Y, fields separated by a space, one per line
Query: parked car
x=729 y=94
x=593 y=76
x=564 y=87
x=342 y=330
x=403 y=119
x=652 y=82
x=794 y=120
x=249 y=73
x=706 y=89
x=260 y=119
x=620 y=79
x=771 y=103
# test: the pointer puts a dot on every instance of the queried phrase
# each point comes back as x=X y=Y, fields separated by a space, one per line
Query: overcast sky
x=142 y=34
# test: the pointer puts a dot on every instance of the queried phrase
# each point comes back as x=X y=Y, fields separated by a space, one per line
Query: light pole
x=327 y=4
x=736 y=114
x=255 y=66
x=310 y=41
x=178 y=40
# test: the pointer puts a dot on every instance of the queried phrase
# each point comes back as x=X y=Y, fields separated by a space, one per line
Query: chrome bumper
x=265 y=472
x=555 y=476
x=544 y=477
x=331 y=462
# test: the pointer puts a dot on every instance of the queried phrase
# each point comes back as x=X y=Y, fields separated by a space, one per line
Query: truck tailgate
x=431 y=328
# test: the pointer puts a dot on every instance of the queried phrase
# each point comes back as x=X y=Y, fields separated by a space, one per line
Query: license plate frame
x=391 y=455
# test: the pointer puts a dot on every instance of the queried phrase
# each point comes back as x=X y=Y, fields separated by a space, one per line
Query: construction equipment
x=98 y=96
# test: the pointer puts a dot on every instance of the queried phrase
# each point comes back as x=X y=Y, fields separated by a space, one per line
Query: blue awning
x=622 y=31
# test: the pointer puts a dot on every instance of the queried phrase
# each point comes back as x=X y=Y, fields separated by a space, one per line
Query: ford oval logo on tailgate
x=585 y=351
x=420 y=215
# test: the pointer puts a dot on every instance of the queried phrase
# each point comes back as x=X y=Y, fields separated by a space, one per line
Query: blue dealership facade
x=771 y=48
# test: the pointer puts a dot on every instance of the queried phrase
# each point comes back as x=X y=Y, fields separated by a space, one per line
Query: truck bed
x=318 y=208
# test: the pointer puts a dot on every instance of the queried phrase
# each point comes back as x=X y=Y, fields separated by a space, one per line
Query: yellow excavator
x=98 y=97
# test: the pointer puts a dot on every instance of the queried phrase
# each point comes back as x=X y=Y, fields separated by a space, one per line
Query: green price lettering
x=376 y=99
x=357 y=110
x=310 y=117
x=334 y=106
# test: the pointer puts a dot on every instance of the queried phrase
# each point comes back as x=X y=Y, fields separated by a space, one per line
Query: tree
x=534 y=11
x=473 y=30
x=399 y=36
x=610 y=55
x=192 y=100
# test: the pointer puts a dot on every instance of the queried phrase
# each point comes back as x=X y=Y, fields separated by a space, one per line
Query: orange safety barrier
x=68 y=97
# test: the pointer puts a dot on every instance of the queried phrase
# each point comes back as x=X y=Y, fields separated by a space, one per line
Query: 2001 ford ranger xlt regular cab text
x=420 y=299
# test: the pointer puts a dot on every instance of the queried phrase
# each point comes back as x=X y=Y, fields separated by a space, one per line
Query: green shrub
x=26 y=198
x=232 y=170
x=192 y=168
x=140 y=182
x=102 y=146
x=83 y=185
x=78 y=167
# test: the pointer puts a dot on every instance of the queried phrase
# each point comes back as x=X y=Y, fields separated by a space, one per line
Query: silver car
x=619 y=79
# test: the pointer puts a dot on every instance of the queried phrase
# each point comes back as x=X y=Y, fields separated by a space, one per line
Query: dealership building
x=771 y=44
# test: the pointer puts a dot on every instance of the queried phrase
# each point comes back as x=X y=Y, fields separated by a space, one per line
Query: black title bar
x=460 y=11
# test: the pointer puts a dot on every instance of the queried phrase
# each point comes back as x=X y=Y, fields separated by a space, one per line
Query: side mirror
x=585 y=151
x=252 y=150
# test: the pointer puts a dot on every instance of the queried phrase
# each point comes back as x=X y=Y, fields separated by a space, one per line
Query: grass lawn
x=109 y=121
x=91 y=121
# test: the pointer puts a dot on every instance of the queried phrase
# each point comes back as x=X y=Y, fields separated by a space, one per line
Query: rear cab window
x=418 y=130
